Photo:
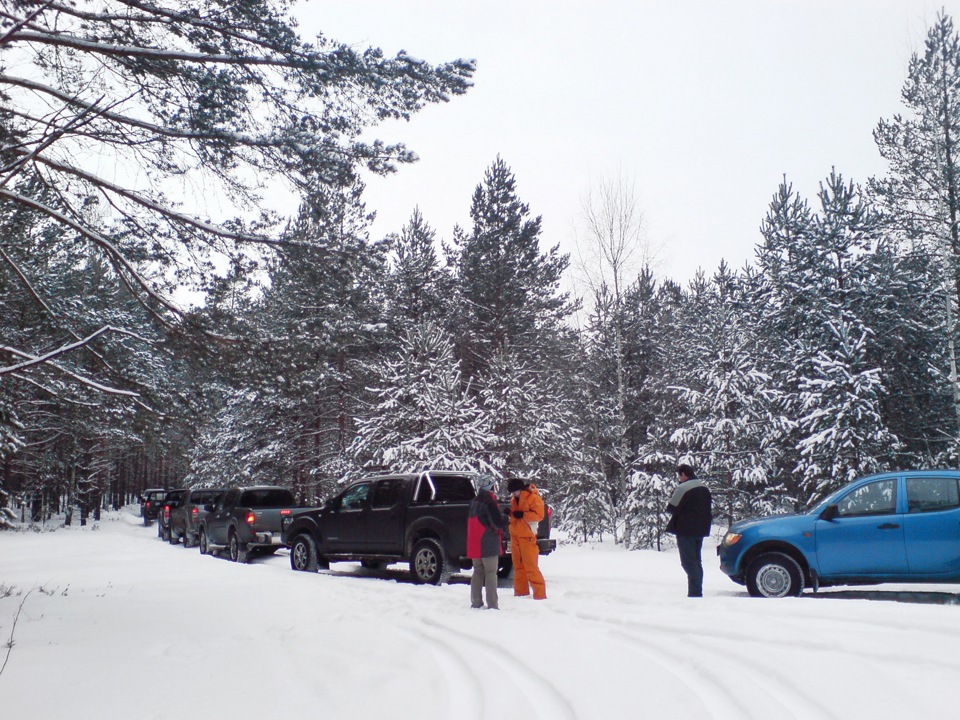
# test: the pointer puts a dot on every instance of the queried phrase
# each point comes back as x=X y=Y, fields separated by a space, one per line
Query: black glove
x=518 y=514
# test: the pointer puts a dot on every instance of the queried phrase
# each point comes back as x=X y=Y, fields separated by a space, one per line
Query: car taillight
x=251 y=518
x=166 y=512
x=285 y=512
x=194 y=512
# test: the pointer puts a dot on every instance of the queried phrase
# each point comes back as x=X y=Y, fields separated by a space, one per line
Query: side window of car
x=876 y=498
x=454 y=489
x=354 y=497
x=386 y=493
x=929 y=494
x=425 y=490
x=228 y=500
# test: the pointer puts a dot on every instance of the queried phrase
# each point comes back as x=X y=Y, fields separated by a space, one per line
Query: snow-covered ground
x=118 y=624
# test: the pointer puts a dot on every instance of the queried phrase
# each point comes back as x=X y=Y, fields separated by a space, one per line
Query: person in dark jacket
x=691 y=514
x=485 y=525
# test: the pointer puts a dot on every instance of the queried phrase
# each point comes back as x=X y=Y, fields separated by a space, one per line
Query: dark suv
x=150 y=504
x=185 y=518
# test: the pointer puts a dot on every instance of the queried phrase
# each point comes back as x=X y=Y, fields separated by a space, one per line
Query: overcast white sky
x=705 y=105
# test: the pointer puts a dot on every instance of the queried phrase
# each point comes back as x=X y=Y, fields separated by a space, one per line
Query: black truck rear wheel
x=427 y=564
x=303 y=554
x=238 y=550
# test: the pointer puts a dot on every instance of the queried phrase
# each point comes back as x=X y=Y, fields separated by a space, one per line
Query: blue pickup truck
x=893 y=527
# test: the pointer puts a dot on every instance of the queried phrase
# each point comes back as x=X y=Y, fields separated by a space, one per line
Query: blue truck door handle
x=888 y=526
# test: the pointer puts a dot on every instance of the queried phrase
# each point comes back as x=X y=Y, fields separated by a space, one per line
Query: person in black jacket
x=691 y=513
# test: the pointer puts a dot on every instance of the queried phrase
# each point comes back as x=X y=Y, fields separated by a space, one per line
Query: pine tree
x=726 y=399
x=219 y=94
x=532 y=420
x=422 y=416
x=311 y=336
x=843 y=433
x=417 y=288
x=823 y=284
x=922 y=190
x=626 y=395
x=508 y=291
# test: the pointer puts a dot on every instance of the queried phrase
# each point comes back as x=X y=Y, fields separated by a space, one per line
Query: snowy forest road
x=114 y=614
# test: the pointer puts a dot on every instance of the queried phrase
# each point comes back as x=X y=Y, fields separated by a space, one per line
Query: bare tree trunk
x=615 y=246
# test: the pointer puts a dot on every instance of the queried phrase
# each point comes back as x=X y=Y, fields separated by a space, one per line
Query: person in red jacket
x=526 y=512
x=485 y=526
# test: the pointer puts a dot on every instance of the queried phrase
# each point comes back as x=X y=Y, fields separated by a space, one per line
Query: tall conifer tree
x=922 y=189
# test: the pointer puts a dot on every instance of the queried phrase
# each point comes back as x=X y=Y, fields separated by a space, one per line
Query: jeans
x=690 y=548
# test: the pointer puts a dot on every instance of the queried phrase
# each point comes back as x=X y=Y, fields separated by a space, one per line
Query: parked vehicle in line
x=186 y=516
x=418 y=518
x=151 y=502
x=891 y=527
x=245 y=521
x=171 y=501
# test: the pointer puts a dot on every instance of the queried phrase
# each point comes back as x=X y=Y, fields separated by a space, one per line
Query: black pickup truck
x=245 y=521
x=170 y=503
x=419 y=518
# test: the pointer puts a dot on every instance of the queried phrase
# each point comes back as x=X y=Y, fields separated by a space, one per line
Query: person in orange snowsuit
x=526 y=512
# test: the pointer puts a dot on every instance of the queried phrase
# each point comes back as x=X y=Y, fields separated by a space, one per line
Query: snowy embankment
x=118 y=624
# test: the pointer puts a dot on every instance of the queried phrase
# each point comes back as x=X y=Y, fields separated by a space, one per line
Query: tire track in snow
x=460 y=678
x=546 y=700
x=715 y=688
x=782 y=690
x=798 y=626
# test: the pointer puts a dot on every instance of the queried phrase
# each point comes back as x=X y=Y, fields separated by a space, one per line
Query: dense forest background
x=152 y=337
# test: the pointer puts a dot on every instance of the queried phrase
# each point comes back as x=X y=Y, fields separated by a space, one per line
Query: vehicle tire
x=303 y=554
x=372 y=565
x=427 y=564
x=505 y=567
x=238 y=551
x=204 y=547
x=172 y=537
x=774 y=575
x=188 y=540
x=146 y=521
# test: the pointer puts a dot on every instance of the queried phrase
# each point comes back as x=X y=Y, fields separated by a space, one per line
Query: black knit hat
x=686 y=470
x=514 y=484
